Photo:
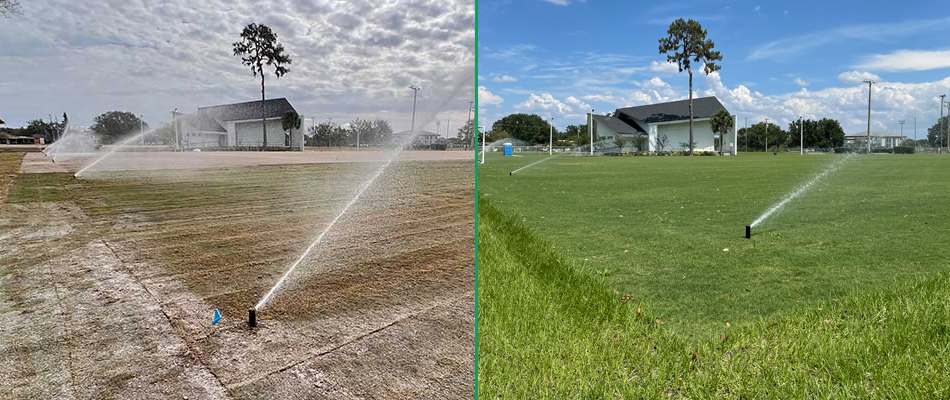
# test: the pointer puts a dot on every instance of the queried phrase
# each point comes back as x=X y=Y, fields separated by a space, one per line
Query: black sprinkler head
x=252 y=318
x=748 y=231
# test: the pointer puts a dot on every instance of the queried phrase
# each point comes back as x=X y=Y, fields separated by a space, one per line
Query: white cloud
x=349 y=57
x=487 y=98
x=545 y=102
x=575 y=102
x=795 y=46
x=559 y=2
x=852 y=77
x=801 y=82
x=907 y=60
x=665 y=68
x=757 y=8
x=529 y=67
x=786 y=12
x=505 y=78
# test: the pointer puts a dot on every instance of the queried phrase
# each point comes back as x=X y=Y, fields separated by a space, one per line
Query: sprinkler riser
x=252 y=318
x=748 y=231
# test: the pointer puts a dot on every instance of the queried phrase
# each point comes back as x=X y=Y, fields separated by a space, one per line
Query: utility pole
x=902 y=127
x=590 y=129
x=869 y=82
x=471 y=104
x=766 y=134
x=175 y=129
x=801 y=137
x=941 y=120
x=551 y=140
x=948 y=128
x=484 y=142
x=412 y=123
x=915 y=134
x=746 y=134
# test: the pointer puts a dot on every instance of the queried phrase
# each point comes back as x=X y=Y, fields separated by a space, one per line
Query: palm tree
x=721 y=123
x=688 y=43
x=259 y=47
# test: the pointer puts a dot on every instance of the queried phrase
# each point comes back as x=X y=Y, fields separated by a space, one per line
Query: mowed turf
x=668 y=232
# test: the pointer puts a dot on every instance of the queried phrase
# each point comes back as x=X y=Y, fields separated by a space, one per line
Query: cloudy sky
x=350 y=58
x=781 y=60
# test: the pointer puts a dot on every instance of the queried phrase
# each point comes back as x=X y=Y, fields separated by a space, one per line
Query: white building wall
x=249 y=133
x=679 y=132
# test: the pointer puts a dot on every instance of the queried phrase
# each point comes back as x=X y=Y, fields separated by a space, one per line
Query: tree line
x=367 y=132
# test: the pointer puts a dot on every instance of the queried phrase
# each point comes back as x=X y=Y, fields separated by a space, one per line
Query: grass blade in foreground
x=549 y=331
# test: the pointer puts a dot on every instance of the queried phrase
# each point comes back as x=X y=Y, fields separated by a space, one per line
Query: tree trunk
x=263 y=113
x=691 y=111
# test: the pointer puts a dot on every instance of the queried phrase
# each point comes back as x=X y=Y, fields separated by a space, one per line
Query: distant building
x=670 y=119
x=422 y=138
x=238 y=125
x=878 y=139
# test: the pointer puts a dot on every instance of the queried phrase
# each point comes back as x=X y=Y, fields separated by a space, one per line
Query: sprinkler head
x=748 y=231
x=509 y=174
x=252 y=318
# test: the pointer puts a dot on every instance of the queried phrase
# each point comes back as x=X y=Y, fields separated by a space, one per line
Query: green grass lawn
x=659 y=227
x=848 y=278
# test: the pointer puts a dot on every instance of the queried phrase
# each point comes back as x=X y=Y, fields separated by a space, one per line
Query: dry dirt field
x=107 y=283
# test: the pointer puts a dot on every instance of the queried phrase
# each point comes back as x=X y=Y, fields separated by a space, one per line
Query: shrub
x=882 y=151
x=904 y=150
x=842 y=150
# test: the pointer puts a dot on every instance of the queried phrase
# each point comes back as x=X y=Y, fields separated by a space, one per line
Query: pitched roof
x=616 y=125
x=703 y=107
x=273 y=108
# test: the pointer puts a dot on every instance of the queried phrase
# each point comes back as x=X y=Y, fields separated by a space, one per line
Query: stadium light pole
x=590 y=129
x=551 y=139
x=412 y=124
x=902 y=127
x=801 y=136
x=766 y=134
x=941 y=119
x=915 y=134
x=869 y=82
x=948 y=128
x=484 y=142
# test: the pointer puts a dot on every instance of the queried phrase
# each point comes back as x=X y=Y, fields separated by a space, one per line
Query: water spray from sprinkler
x=467 y=77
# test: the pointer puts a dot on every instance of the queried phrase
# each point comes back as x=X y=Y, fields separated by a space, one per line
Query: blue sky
x=560 y=58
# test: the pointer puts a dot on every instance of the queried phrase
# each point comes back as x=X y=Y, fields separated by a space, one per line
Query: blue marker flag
x=216 y=317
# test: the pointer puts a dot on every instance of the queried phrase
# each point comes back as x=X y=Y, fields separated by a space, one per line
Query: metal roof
x=616 y=125
x=703 y=107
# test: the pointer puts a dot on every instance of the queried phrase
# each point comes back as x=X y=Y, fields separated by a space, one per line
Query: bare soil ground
x=107 y=284
x=155 y=160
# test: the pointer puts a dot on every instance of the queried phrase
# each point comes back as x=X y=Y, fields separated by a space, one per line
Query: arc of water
x=467 y=77
x=536 y=162
x=113 y=150
x=831 y=168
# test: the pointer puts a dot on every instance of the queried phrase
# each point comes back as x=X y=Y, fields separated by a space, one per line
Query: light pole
x=902 y=127
x=590 y=129
x=471 y=105
x=801 y=137
x=746 y=134
x=766 y=134
x=551 y=140
x=915 y=134
x=948 y=127
x=412 y=123
x=941 y=121
x=484 y=142
x=869 y=82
